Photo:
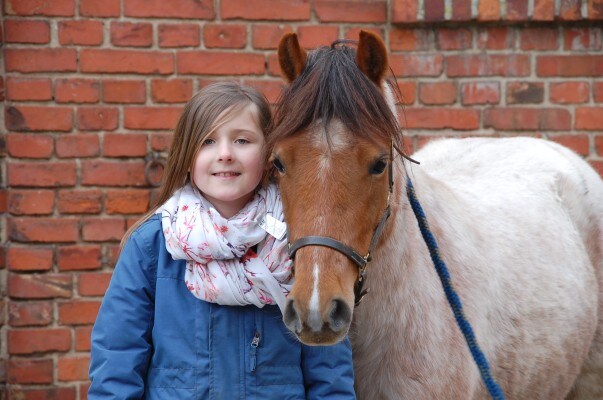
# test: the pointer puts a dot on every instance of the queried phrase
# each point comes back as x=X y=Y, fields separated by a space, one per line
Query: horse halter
x=359 y=260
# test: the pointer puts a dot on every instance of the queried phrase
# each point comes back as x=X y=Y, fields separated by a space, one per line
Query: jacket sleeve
x=328 y=371
x=121 y=344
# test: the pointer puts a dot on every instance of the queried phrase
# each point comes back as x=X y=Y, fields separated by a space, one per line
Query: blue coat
x=154 y=340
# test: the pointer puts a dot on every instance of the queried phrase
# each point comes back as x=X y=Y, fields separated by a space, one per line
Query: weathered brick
x=54 y=174
x=496 y=38
x=30 y=371
x=544 y=10
x=161 y=141
x=225 y=36
x=271 y=89
x=171 y=91
x=579 y=143
x=569 y=92
x=437 y=93
x=48 y=393
x=589 y=118
x=80 y=201
x=81 y=32
x=434 y=10
x=97 y=118
x=525 y=92
x=40 y=60
x=417 y=65
x=78 y=312
x=73 y=369
x=583 y=39
x=30 y=202
x=279 y=10
x=539 y=39
x=126 y=61
x=488 y=10
x=411 y=39
x=441 y=119
x=599 y=144
x=56 y=8
x=586 y=65
x=408 y=92
x=461 y=10
x=30 y=313
x=517 y=10
x=267 y=36
x=488 y=65
x=107 y=173
x=373 y=11
x=79 y=257
x=220 y=63
x=28 y=89
x=131 y=34
x=25 y=145
x=38 y=341
x=39 y=286
x=179 y=35
x=598 y=92
x=33 y=118
x=20 y=31
x=197 y=9
x=77 y=91
x=95 y=8
x=103 y=229
x=527 y=119
x=314 y=36
x=44 y=230
x=127 y=201
x=82 y=338
x=404 y=11
x=77 y=145
x=93 y=283
x=594 y=10
x=570 y=10
x=124 y=91
x=163 y=117
x=125 y=145
x=353 y=33
x=29 y=258
x=454 y=39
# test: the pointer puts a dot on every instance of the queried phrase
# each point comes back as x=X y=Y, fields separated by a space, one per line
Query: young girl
x=192 y=310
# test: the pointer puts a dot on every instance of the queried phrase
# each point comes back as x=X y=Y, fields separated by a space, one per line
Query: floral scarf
x=221 y=266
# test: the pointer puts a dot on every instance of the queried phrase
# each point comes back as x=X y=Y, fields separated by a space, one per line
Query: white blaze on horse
x=519 y=223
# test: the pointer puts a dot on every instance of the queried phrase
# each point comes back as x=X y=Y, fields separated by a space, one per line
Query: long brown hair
x=200 y=118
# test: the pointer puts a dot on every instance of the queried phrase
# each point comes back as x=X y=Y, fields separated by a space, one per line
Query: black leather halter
x=360 y=261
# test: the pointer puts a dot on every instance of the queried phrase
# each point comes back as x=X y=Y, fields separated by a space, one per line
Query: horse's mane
x=332 y=87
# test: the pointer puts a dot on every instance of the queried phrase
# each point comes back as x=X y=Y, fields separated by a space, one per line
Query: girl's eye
x=378 y=167
x=242 y=141
x=208 y=141
x=278 y=164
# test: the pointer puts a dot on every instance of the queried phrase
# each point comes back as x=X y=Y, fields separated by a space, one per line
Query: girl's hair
x=200 y=118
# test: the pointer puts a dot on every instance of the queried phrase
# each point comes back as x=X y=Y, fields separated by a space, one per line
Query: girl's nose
x=225 y=152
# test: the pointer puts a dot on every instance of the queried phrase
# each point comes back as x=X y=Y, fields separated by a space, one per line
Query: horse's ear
x=371 y=56
x=291 y=57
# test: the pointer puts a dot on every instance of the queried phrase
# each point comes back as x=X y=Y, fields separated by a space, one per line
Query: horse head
x=332 y=146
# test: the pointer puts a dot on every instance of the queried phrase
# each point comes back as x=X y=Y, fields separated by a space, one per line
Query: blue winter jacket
x=154 y=340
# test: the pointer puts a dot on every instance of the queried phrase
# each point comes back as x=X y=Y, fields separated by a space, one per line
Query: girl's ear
x=291 y=57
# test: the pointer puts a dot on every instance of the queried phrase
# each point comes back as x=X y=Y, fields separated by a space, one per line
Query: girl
x=217 y=236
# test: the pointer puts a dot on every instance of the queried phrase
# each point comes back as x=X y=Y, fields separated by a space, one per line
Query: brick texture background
x=91 y=89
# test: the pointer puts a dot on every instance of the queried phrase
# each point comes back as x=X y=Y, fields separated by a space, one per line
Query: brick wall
x=90 y=91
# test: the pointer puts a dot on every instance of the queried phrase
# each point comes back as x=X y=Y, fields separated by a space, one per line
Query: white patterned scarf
x=221 y=267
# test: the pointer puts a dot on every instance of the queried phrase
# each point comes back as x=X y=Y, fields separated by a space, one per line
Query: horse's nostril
x=340 y=316
x=291 y=318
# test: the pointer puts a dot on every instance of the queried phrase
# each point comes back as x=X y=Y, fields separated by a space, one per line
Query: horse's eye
x=378 y=167
x=278 y=164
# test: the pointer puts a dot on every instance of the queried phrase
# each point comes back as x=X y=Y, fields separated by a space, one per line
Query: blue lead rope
x=453 y=298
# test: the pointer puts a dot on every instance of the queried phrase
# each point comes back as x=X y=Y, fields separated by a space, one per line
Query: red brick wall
x=91 y=89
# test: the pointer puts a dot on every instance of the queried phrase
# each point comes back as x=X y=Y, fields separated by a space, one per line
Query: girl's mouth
x=226 y=174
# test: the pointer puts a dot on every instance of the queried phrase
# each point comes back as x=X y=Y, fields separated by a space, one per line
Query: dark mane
x=332 y=87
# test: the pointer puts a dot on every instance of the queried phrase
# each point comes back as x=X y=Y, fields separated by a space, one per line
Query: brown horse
x=519 y=223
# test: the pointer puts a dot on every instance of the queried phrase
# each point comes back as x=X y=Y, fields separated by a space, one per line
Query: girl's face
x=230 y=163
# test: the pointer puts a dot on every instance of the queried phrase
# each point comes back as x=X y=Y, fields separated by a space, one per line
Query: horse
x=518 y=222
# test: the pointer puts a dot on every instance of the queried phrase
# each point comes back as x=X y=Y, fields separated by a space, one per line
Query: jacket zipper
x=254 y=348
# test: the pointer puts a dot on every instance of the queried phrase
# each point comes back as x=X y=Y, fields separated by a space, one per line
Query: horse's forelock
x=332 y=87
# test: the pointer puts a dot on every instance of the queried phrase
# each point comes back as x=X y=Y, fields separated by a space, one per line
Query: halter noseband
x=360 y=261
